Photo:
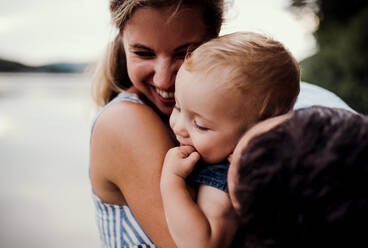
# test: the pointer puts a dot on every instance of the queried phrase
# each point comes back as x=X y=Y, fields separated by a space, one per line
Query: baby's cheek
x=172 y=119
x=206 y=149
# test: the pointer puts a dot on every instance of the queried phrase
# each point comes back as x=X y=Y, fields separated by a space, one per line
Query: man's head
x=304 y=181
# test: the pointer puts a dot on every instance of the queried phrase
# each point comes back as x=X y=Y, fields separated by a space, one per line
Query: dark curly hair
x=304 y=183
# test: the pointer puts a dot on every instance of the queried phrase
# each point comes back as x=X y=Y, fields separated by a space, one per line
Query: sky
x=36 y=32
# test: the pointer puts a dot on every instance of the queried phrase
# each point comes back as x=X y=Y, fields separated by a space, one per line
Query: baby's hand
x=180 y=161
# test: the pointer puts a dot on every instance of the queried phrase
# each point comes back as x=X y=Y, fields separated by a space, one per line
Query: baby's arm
x=211 y=222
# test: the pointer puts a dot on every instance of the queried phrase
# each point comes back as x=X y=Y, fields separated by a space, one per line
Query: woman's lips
x=166 y=97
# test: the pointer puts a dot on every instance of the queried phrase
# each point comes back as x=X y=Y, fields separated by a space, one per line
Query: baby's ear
x=230 y=157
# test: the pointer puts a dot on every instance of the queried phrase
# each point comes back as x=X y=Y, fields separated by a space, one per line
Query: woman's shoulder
x=122 y=112
x=128 y=136
x=130 y=122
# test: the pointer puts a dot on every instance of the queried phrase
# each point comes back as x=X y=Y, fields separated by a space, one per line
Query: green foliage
x=341 y=64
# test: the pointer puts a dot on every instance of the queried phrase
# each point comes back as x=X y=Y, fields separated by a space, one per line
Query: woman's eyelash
x=181 y=54
x=144 y=54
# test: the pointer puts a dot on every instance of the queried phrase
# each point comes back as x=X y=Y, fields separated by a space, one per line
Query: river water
x=44 y=137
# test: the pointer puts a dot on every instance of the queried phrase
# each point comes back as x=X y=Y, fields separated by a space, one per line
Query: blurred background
x=46 y=47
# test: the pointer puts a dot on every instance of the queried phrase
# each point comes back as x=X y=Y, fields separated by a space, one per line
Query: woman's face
x=155 y=44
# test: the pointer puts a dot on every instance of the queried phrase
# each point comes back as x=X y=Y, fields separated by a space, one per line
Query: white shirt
x=314 y=95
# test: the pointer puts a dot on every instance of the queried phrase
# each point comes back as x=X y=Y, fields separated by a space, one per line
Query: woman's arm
x=128 y=146
x=209 y=222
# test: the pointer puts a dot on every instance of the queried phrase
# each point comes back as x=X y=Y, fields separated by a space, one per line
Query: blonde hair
x=262 y=69
x=111 y=76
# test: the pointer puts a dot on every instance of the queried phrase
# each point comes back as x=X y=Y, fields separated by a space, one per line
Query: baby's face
x=206 y=115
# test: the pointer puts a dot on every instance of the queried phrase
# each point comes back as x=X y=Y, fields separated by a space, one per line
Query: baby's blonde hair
x=261 y=68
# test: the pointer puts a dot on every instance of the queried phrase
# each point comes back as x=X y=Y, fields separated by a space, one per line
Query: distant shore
x=14 y=67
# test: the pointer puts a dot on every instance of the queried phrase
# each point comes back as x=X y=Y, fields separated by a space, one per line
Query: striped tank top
x=116 y=223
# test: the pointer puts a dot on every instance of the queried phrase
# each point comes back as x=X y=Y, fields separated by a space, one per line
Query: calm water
x=44 y=185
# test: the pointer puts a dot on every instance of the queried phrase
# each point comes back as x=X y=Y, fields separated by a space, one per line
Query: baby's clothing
x=214 y=175
x=116 y=223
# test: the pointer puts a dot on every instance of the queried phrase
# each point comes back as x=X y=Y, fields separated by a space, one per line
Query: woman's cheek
x=138 y=70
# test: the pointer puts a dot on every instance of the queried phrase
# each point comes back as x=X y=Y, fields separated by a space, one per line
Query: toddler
x=223 y=88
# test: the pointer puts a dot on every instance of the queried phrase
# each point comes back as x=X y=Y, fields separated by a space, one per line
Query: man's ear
x=230 y=157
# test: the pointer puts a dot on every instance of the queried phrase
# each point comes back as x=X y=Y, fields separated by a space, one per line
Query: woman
x=130 y=136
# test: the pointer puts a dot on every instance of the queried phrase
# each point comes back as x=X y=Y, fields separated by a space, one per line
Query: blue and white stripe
x=123 y=96
x=118 y=226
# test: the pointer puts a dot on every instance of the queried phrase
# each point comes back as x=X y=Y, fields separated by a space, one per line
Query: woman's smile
x=165 y=96
x=154 y=57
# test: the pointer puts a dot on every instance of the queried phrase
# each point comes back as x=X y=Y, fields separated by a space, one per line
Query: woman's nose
x=165 y=72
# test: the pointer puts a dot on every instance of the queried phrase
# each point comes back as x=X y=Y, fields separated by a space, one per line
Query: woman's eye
x=145 y=54
x=180 y=55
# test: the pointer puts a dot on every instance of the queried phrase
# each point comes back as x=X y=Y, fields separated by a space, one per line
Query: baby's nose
x=180 y=130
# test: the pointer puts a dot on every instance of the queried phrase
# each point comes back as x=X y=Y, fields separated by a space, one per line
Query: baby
x=222 y=89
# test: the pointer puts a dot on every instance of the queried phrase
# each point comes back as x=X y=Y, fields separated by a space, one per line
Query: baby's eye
x=144 y=54
x=200 y=127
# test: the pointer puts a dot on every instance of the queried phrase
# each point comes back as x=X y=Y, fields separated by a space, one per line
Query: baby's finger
x=193 y=157
x=190 y=161
x=188 y=164
x=186 y=150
